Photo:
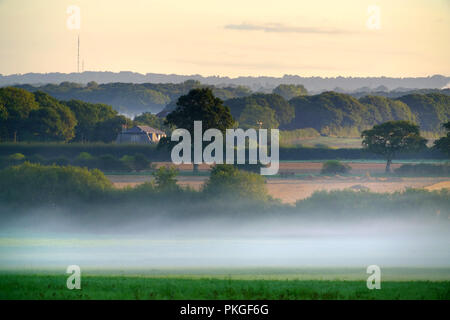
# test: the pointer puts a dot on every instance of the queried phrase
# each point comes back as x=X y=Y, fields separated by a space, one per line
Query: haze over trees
x=289 y=91
x=132 y=98
x=263 y=83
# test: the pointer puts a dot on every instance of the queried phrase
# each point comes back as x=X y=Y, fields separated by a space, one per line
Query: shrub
x=141 y=162
x=363 y=204
x=85 y=159
x=36 y=158
x=35 y=183
x=61 y=161
x=334 y=167
x=16 y=157
x=11 y=160
x=165 y=178
x=424 y=169
x=110 y=163
x=83 y=156
x=128 y=160
x=227 y=180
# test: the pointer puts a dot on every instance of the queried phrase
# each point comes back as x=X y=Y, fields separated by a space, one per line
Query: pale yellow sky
x=228 y=38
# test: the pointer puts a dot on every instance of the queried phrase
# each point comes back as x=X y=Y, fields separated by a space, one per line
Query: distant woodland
x=96 y=112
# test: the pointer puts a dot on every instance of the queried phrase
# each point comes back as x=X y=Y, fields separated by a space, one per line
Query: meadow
x=105 y=287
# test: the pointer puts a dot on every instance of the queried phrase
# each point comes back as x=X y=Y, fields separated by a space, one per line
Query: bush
x=227 y=180
x=35 y=183
x=424 y=169
x=364 y=204
x=16 y=157
x=36 y=158
x=140 y=162
x=165 y=178
x=85 y=159
x=334 y=167
x=61 y=161
x=108 y=162
x=11 y=160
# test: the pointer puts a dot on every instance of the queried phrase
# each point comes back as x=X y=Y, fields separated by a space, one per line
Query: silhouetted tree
x=393 y=137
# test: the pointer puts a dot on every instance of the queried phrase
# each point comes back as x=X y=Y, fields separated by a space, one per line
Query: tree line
x=38 y=116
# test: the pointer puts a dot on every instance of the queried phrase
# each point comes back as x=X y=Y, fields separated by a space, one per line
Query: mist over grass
x=55 y=216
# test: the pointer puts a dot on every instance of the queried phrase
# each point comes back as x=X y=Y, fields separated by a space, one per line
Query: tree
x=393 y=137
x=329 y=113
x=165 y=178
x=430 y=109
x=284 y=112
x=89 y=117
x=254 y=115
x=443 y=144
x=3 y=118
x=382 y=109
x=200 y=105
x=289 y=91
x=151 y=120
x=17 y=105
x=52 y=121
x=107 y=131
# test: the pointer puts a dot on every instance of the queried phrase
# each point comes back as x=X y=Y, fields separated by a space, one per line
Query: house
x=140 y=134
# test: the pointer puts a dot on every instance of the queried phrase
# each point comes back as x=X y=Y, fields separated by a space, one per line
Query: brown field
x=301 y=167
x=289 y=190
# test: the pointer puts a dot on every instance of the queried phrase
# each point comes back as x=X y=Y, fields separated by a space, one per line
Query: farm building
x=140 y=134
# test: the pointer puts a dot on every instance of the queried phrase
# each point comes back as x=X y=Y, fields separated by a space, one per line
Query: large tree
x=17 y=105
x=53 y=121
x=92 y=117
x=200 y=105
x=393 y=137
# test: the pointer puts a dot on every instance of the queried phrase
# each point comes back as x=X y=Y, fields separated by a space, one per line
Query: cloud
x=280 y=28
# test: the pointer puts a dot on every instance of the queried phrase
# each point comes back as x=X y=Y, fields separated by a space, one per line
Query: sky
x=328 y=38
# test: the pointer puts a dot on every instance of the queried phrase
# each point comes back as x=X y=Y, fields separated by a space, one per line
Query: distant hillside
x=262 y=84
x=131 y=98
x=397 y=92
x=332 y=113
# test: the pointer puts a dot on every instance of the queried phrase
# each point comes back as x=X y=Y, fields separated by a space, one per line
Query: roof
x=146 y=129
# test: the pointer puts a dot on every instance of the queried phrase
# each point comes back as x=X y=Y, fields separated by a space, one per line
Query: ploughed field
x=299 y=180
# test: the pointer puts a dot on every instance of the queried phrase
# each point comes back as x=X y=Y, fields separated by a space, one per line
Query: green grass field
x=52 y=286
